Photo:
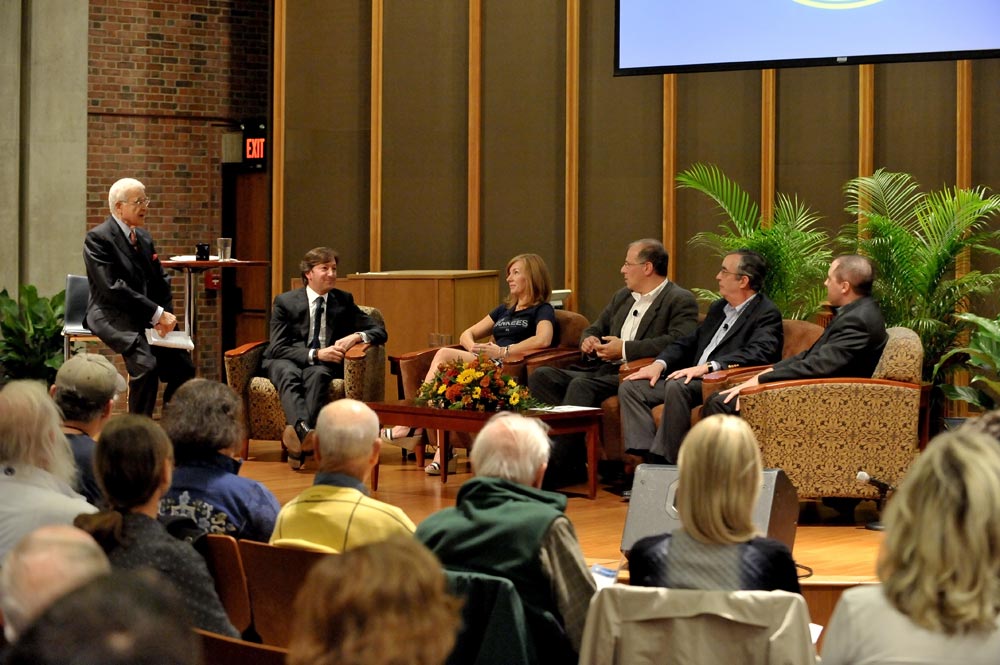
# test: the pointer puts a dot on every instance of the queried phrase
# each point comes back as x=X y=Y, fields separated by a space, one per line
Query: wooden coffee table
x=408 y=413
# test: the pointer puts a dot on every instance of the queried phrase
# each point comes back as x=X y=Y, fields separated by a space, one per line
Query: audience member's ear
x=539 y=475
x=108 y=408
x=376 y=449
x=318 y=452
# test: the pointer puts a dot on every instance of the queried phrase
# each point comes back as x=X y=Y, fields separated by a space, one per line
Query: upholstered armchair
x=821 y=432
x=364 y=380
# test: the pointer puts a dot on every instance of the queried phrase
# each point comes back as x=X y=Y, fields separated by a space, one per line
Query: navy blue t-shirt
x=510 y=327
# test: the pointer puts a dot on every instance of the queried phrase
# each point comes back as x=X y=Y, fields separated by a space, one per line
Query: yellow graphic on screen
x=837 y=4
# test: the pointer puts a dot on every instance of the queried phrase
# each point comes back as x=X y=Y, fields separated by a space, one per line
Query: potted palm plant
x=981 y=357
x=31 y=335
x=915 y=240
x=797 y=253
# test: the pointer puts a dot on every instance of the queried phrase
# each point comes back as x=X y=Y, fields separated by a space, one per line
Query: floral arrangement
x=475 y=385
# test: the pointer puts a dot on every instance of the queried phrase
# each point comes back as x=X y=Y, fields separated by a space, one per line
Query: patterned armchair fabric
x=821 y=432
x=364 y=380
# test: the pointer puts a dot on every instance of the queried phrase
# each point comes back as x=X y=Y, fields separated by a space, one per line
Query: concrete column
x=55 y=163
x=10 y=154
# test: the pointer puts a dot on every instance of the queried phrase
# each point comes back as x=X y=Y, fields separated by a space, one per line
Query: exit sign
x=254 y=144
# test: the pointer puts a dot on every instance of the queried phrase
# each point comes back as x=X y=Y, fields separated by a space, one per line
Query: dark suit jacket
x=126 y=284
x=290 y=333
x=672 y=315
x=755 y=339
x=850 y=346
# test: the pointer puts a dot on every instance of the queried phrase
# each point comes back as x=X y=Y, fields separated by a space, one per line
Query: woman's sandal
x=434 y=468
x=386 y=433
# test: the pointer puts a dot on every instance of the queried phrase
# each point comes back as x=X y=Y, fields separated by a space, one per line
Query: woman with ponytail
x=134 y=463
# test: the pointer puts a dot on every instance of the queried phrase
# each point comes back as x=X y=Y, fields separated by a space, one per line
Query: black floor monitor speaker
x=651 y=509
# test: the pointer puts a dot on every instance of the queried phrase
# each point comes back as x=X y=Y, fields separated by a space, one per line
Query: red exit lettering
x=255 y=148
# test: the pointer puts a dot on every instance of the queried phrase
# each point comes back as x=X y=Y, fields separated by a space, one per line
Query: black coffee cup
x=201 y=251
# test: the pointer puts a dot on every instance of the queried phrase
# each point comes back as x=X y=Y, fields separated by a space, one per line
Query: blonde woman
x=717 y=545
x=939 y=600
x=524 y=322
x=378 y=604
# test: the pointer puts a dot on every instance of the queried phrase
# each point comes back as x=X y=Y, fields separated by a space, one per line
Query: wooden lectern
x=417 y=303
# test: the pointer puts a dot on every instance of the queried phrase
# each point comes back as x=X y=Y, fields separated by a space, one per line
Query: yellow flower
x=514 y=399
x=512 y=383
x=443 y=387
x=477 y=392
x=466 y=376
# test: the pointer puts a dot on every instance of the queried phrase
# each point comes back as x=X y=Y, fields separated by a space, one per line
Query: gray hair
x=45 y=565
x=511 y=447
x=31 y=430
x=203 y=418
x=120 y=189
x=346 y=430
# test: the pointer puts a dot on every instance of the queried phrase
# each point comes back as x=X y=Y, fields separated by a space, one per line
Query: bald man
x=44 y=566
x=337 y=513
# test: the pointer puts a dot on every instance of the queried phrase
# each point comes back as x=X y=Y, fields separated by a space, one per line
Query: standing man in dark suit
x=850 y=346
x=742 y=328
x=130 y=292
x=641 y=319
x=311 y=330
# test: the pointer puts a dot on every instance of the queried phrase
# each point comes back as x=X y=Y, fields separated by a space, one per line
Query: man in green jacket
x=503 y=524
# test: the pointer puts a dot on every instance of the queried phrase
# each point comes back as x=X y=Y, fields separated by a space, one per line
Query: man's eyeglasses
x=632 y=265
x=142 y=203
x=734 y=274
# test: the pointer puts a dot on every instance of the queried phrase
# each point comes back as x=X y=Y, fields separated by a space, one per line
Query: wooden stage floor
x=839 y=556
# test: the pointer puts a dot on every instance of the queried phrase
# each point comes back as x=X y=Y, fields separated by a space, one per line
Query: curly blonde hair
x=940 y=561
x=381 y=604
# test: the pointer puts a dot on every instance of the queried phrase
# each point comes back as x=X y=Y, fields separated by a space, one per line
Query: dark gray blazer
x=755 y=339
x=290 y=332
x=850 y=346
x=126 y=284
x=672 y=315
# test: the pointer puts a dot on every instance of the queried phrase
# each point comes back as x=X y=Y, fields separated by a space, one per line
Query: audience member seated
x=125 y=618
x=85 y=391
x=525 y=322
x=336 y=513
x=939 y=600
x=380 y=604
x=205 y=424
x=717 y=546
x=503 y=524
x=37 y=472
x=134 y=463
x=45 y=565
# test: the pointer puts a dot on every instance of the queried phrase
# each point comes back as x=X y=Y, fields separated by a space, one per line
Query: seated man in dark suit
x=742 y=328
x=311 y=330
x=642 y=318
x=850 y=346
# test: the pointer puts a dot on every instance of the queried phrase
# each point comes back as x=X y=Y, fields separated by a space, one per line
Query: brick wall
x=165 y=81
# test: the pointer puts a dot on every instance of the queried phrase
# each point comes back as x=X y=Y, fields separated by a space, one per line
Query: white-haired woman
x=939 y=600
x=717 y=545
x=37 y=471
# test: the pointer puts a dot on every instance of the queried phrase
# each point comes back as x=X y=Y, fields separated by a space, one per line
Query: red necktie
x=131 y=235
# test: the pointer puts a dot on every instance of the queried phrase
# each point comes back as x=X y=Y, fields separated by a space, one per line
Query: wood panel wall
x=470 y=110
